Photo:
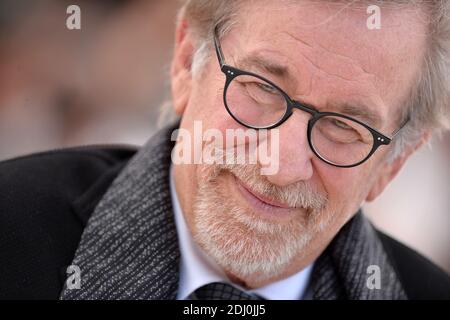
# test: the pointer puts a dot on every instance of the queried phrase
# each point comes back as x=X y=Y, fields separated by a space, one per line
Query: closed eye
x=341 y=125
x=266 y=87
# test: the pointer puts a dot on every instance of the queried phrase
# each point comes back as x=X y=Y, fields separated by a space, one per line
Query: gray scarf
x=129 y=248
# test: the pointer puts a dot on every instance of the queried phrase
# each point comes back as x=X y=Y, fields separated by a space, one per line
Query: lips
x=265 y=200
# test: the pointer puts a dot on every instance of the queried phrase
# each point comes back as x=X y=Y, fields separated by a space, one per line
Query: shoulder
x=45 y=201
x=49 y=181
x=420 y=277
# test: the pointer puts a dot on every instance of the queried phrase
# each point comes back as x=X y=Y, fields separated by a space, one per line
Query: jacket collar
x=129 y=248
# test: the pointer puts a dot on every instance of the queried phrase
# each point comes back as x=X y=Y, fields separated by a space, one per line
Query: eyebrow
x=362 y=113
x=267 y=65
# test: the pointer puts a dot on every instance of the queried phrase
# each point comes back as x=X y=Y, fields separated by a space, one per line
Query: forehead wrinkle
x=318 y=57
x=310 y=52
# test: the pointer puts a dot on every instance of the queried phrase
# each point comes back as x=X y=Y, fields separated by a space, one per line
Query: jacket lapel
x=348 y=267
x=129 y=248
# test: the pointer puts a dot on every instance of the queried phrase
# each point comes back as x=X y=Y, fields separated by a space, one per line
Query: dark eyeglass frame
x=230 y=72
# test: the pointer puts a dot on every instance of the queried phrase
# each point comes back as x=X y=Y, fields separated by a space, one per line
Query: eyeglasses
x=257 y=103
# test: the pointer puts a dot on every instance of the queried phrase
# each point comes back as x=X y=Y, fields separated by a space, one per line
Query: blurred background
x=105 y=83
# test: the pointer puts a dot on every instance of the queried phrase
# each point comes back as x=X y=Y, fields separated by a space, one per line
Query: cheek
x=207 y=106
x=206 y=102
x=345 y=186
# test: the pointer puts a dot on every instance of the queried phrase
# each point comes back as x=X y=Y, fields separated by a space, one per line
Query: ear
x=390 y=170
x=181 y=78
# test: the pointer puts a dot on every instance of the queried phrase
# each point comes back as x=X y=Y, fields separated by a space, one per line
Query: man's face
x=263 y=228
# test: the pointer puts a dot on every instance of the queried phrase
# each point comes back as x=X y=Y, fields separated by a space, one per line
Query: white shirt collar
x=197 y=269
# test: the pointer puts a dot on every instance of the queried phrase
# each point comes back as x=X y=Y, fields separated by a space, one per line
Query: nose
x=294 y=152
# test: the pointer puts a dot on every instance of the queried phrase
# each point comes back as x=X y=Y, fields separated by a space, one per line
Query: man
x=342 y=107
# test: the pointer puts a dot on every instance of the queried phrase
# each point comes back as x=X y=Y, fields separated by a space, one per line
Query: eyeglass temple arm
x=218 y=47
x=400 y=128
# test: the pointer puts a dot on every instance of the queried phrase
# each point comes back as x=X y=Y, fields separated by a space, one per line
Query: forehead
x=330 y=52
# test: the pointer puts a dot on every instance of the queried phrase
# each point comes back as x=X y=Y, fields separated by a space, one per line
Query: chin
x=242 y=239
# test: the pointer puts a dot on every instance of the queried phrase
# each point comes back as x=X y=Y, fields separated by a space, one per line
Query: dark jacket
x=47 y=198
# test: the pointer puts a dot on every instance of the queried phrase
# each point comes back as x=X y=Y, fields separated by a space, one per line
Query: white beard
x=239 y=241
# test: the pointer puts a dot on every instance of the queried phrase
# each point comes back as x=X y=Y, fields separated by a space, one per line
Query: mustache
x=297 y=195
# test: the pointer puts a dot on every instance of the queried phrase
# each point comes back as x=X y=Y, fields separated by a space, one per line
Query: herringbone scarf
x=129 y=248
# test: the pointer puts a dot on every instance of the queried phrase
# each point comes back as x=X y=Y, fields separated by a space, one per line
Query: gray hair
x=428 y=105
